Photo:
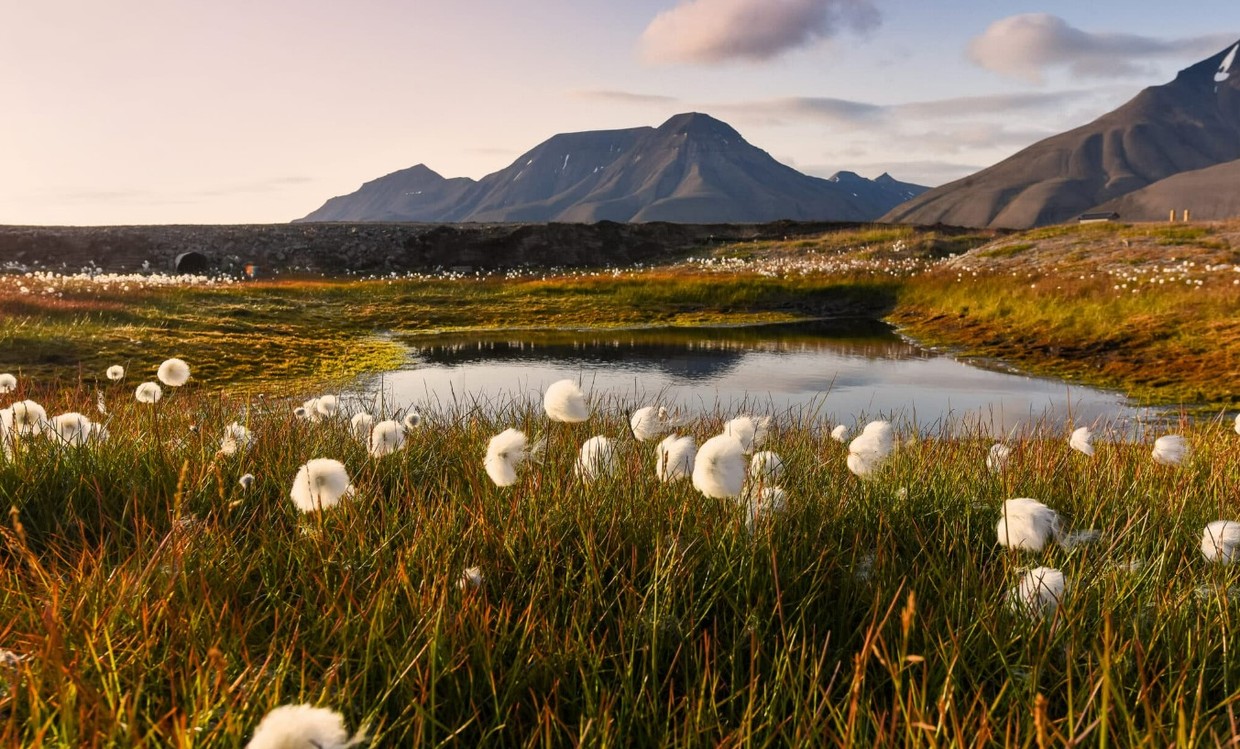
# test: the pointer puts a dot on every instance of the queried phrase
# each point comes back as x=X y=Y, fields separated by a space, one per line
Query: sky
x=257 y=111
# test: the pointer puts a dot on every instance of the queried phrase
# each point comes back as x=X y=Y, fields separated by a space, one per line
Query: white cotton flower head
x=839 y=433
x=148 y=392
x=6 y=428
x=237 y=438
x=173 y=372
x=471 y=578
x=303 y=727
x=649 y=422
x=301 y=412
x=505 y=453
x=98 y=432
x=1038 y=593
x=1220 y=541
x=764 y=504
x=750 y=431
x=565 y=401
x=28 y=417
x=719 y=468
x=100 y=404
x=1082 y=440
x=1170 y=450
x=309 y=410
x=326 y=406
x=361 y=426
x=386 y=438
x=72 y=429
x=1237 y=423
x=674 y=458
x=412 y=421
x=870 y=448
x=115 y=373
x=8 y=383
x=246 y=481
x=766 y=467
x=320 y=483
x=597 y=458
x=1027 y=524
x=998 y=457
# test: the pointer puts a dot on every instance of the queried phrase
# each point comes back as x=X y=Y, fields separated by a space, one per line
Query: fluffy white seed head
x=1220 y=541
x=8 y=383
x=236 y=439
x=320 y=483
x=765 y=504
x=28 y=417
x=148 y=392
x=997 y=458
x=1039 y=592
x=386 y=438
x=173 y=372
x=246 y=481
x=719 y=467
x=597 y=458
x=361 y=426
x=766 y=468
x=1027 y=524
x=301 y=412
x=505 y=453
x=6 y=429
x=1170 y=450
x=115 y=373
x=71 y=429
x=412 y=421
x=869 y=449
x=303 y=727
x=326 y=406
x=839 y=433
x=98 y=432
x=750 y=431
x=471 y=577
x=565 y=401
x=649 y=422
x=674 y=458
x=1082 y=440
x=1237 y=423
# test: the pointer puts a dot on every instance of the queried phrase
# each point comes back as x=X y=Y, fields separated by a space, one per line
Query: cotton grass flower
x=326 y=406
x=361 y=425
x=839 y=433
x=870 y=448
x=719 y=468
x=320 y=484
x=28 y=417
x=246 y=481
x=750 y=431
x=386 y=438
x=565 y=401
x=1082 y=441
x=412 y=421
x=766 y=467
x=1170 y=450
x=98 y=432
x=115 y=373
x=998 y=457
x=72 y=429
x=505 y=453
x=1027 y=524
x=1237 y=423
x=303 y=727
x=765 y=504
x=1038 y=593
x=674 y=458
x=1220 y=541
x=597 y=458
x=8 y=383
x=237 y=438
x=649 y=422
x=148 y=392
x=471 y=578
x=173 y=372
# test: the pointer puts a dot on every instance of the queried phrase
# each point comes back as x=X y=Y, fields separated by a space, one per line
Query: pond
x=835 y=371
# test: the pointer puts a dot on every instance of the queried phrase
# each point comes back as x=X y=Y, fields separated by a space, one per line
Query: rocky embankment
x=337 y=248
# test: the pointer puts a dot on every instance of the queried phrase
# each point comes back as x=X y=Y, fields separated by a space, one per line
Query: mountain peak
x=697 y=123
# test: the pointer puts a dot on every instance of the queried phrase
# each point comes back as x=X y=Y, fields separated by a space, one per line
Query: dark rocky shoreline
x=368 y=248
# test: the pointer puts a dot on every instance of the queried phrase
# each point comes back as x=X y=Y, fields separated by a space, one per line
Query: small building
x=1098 y=218
x=192 y=262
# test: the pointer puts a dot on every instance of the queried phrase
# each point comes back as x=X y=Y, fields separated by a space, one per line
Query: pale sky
x=257 y=111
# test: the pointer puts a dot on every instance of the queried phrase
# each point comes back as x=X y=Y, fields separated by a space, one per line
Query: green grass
x=157 y=603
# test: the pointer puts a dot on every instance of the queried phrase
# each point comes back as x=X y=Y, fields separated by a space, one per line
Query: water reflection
x=839 y=371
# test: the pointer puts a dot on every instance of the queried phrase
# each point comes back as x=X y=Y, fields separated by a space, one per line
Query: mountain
x=1189 y=124
x=1210 y=194
x=691 y=169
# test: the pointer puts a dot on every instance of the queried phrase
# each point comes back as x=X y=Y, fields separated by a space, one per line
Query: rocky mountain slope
x=1187 y=125
x=691 y=169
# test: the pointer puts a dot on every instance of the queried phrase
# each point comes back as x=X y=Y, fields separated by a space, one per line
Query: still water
x=837 y=371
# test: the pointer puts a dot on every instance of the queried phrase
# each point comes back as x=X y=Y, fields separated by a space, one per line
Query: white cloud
x=1027 y=46
x=623 y=97
x=714 y=31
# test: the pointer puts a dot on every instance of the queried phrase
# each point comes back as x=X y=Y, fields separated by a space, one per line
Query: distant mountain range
x=1174 y=146
x=691 y=169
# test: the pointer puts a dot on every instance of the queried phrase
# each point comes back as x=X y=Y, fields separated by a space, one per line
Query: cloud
x=715 y=31
x=1027 y=46
x=624 y=97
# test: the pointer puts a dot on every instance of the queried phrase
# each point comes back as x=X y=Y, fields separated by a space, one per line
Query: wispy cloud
x=1027 y=46
x=716 y=31
x=623 y=97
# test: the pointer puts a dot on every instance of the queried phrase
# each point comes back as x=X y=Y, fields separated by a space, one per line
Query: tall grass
x=157 y=602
